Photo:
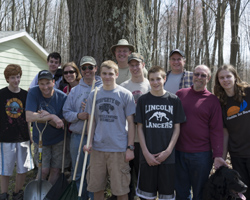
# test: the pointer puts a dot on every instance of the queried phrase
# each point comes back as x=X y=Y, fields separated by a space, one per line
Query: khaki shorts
x=113 y=164
x=51 y=155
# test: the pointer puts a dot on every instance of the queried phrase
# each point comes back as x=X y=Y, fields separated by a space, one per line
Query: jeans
x=192 y=170
x=74 y=145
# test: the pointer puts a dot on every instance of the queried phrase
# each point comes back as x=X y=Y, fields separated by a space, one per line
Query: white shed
x=18 y=47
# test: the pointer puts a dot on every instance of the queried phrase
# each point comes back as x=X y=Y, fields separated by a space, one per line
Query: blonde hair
x=110 y=65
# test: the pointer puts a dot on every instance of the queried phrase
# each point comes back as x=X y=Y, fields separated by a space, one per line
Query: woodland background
x=210 y=32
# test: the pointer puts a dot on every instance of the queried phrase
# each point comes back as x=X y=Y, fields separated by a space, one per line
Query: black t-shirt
x=236 y=118
x=13 y=125
x=158 y=116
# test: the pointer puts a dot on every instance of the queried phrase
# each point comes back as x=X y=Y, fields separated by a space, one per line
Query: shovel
x=37 y=189
x=71 y=191
x=61 y=183
x=88 y=140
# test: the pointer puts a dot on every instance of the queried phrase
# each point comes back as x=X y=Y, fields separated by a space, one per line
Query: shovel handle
x=88 y=140
x=40 y=154
x=64 y=146
x=79 y=150
x=80 y=145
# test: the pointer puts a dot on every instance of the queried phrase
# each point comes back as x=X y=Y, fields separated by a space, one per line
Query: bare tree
x=180 y=10
x=13 y=10
x=187 y=49
x=154 y=58
x=235 y=57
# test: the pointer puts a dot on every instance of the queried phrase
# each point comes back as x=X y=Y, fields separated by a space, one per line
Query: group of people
x=165 y=129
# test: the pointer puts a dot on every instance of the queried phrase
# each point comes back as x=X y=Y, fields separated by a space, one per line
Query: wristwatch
x=131 y=147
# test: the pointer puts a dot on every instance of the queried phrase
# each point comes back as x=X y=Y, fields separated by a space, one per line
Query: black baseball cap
x=177 y=51
x=45 y=74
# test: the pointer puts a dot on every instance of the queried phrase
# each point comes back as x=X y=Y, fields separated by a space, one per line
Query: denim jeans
x=74 y=146
x=192 y=171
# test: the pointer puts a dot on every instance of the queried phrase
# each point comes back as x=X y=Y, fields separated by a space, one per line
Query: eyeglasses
x=68 y=72
x=202 y=75
x=91 y=67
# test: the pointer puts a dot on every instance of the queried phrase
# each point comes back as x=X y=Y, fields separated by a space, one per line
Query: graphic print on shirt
x=136 y=94
x=235 y=111
x=107 y=105
x=14 y=108
x=159 y=115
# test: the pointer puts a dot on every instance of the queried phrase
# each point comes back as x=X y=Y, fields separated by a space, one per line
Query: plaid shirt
x=186 y=79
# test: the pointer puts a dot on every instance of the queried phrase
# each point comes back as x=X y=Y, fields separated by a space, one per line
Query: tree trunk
x=187 y=52
x=192 y=45
x=59 y=33
x=155 y=32
x=221 y=19
x=13 y=10
x=96 y=25
x=30 y=16
x=235 y=40
x=180 y=10
x=205 y=32
x=44 y=23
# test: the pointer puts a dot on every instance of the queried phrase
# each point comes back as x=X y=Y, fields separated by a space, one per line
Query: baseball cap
x=87 y=60
x=45 y=74
x=124 y=43
x=135 y=56
x=177 y=51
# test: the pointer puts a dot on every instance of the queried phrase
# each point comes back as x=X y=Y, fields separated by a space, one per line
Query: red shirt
x=203 y=129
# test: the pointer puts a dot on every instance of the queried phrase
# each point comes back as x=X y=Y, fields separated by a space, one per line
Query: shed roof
x=10 y=35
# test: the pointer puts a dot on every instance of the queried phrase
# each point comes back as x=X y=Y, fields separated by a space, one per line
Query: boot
x=4 y=196
x=18 y=196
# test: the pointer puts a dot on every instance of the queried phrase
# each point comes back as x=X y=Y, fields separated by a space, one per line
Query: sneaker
x=18 y=196
x=4 y=196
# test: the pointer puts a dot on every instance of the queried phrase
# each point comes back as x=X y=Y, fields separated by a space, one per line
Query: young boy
x=14 y=133
x=138 y=85
x=158 y=117
x=53 y=62
x=112 y=143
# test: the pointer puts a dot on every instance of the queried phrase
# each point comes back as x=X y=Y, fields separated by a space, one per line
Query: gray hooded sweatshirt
x=73 y=104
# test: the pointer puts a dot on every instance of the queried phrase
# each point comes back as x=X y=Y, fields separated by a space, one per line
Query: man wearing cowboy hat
x=121 y=51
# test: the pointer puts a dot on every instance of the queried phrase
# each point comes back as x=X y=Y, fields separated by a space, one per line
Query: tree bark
x=96 y=25
x=13 y=10
x=44 y=23
x=155 y=32
x=187 y=52
x=180 y=10
x=235 y=40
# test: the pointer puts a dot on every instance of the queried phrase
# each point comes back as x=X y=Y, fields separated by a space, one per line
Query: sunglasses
x=91 y=67
x=68 y=72
x=202 y=75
